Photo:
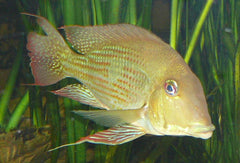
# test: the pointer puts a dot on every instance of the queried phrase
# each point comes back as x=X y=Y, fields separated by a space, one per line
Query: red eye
x=171 y=87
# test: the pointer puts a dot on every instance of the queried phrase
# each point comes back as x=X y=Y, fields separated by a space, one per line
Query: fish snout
x=202 y=131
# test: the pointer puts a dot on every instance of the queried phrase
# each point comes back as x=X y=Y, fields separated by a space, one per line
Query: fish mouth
x=197 y=131
x=200 y=131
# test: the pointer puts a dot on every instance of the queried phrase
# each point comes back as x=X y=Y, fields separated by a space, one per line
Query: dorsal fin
x=85 y=39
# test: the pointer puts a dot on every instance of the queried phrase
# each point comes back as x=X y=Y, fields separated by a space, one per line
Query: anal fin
x=114 y=136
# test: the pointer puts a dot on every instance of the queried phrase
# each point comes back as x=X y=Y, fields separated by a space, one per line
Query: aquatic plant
x=213 y=51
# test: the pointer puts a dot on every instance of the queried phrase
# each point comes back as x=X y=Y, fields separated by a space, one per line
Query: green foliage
x=8 y=91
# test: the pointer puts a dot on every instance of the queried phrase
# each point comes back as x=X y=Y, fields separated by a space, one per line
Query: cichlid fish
x=141 y=84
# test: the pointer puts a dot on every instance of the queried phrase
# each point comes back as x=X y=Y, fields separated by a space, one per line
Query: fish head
x=178 y=106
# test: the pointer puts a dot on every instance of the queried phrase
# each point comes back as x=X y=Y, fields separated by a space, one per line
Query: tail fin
x=47 y=53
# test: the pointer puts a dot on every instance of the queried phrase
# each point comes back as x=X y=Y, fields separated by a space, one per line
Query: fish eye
x=171 y=87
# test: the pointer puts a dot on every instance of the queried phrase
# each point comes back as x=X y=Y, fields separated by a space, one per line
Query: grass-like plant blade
x=79 y=131
x=114 y=9
x=35 y=104
x=54 y=117
x=176 y=15
x=173 y=32
x=144 y=19
x=132 y=12
x=4 y=100
x=70 y=129
x=96 y=12
x=86 y=15
x=237 y=97
x=18 y=112
x=197 y=30
x=68 y=12
x=98 y=8
x=237 y=82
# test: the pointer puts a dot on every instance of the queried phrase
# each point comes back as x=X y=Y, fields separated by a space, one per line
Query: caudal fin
x=47 y=53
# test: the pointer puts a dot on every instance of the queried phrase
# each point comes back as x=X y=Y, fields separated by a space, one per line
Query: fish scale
x=132 y=79
x=97 y=71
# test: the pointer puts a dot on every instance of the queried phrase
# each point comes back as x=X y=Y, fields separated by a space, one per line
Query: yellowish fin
x=80 y=93
x=89 y=38
x=112 y=118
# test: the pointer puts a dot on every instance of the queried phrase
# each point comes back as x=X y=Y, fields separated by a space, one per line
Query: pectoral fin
x=112 y=118
x=79 y=93
x=112 y=136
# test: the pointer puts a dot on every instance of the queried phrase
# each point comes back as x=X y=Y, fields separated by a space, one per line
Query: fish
x=139 y=83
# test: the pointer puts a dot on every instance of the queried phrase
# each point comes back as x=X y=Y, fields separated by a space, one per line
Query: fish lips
x=201 y=131
x=196 y=130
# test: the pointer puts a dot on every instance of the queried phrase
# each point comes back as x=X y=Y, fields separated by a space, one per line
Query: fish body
x=141 y=84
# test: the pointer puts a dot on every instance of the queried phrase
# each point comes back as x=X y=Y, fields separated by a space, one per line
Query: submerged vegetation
x=206 y=33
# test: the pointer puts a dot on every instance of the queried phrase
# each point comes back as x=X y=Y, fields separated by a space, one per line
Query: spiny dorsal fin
x=48 y=28
x=85 y=39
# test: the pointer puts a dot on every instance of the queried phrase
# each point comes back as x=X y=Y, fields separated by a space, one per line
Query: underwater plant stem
x=55 y=121
x=70 y=129
x=47 y=11
x=237 y=70
x=79 y=128
x=179 y=20
x=36 y=108
x=114 y=11
x=187 y=23
x=18 y=112
x=176 y=15
x=94 y=12
x=68 y=12
x=173 y=35
x=145 y=18
x=237 y=96
x=4 y=101
x=79 y=131
x=237 y=84
x=97 y=12
x=132 y=12
x=85 y=12
x=197 y=30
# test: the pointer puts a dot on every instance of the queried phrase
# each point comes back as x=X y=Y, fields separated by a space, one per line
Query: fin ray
x=46 y=53
x=112 y=118
x=85 y=39
x=79 y=93
x=113 y=136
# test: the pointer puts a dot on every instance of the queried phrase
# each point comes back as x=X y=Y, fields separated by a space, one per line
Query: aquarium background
x=33 y=120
